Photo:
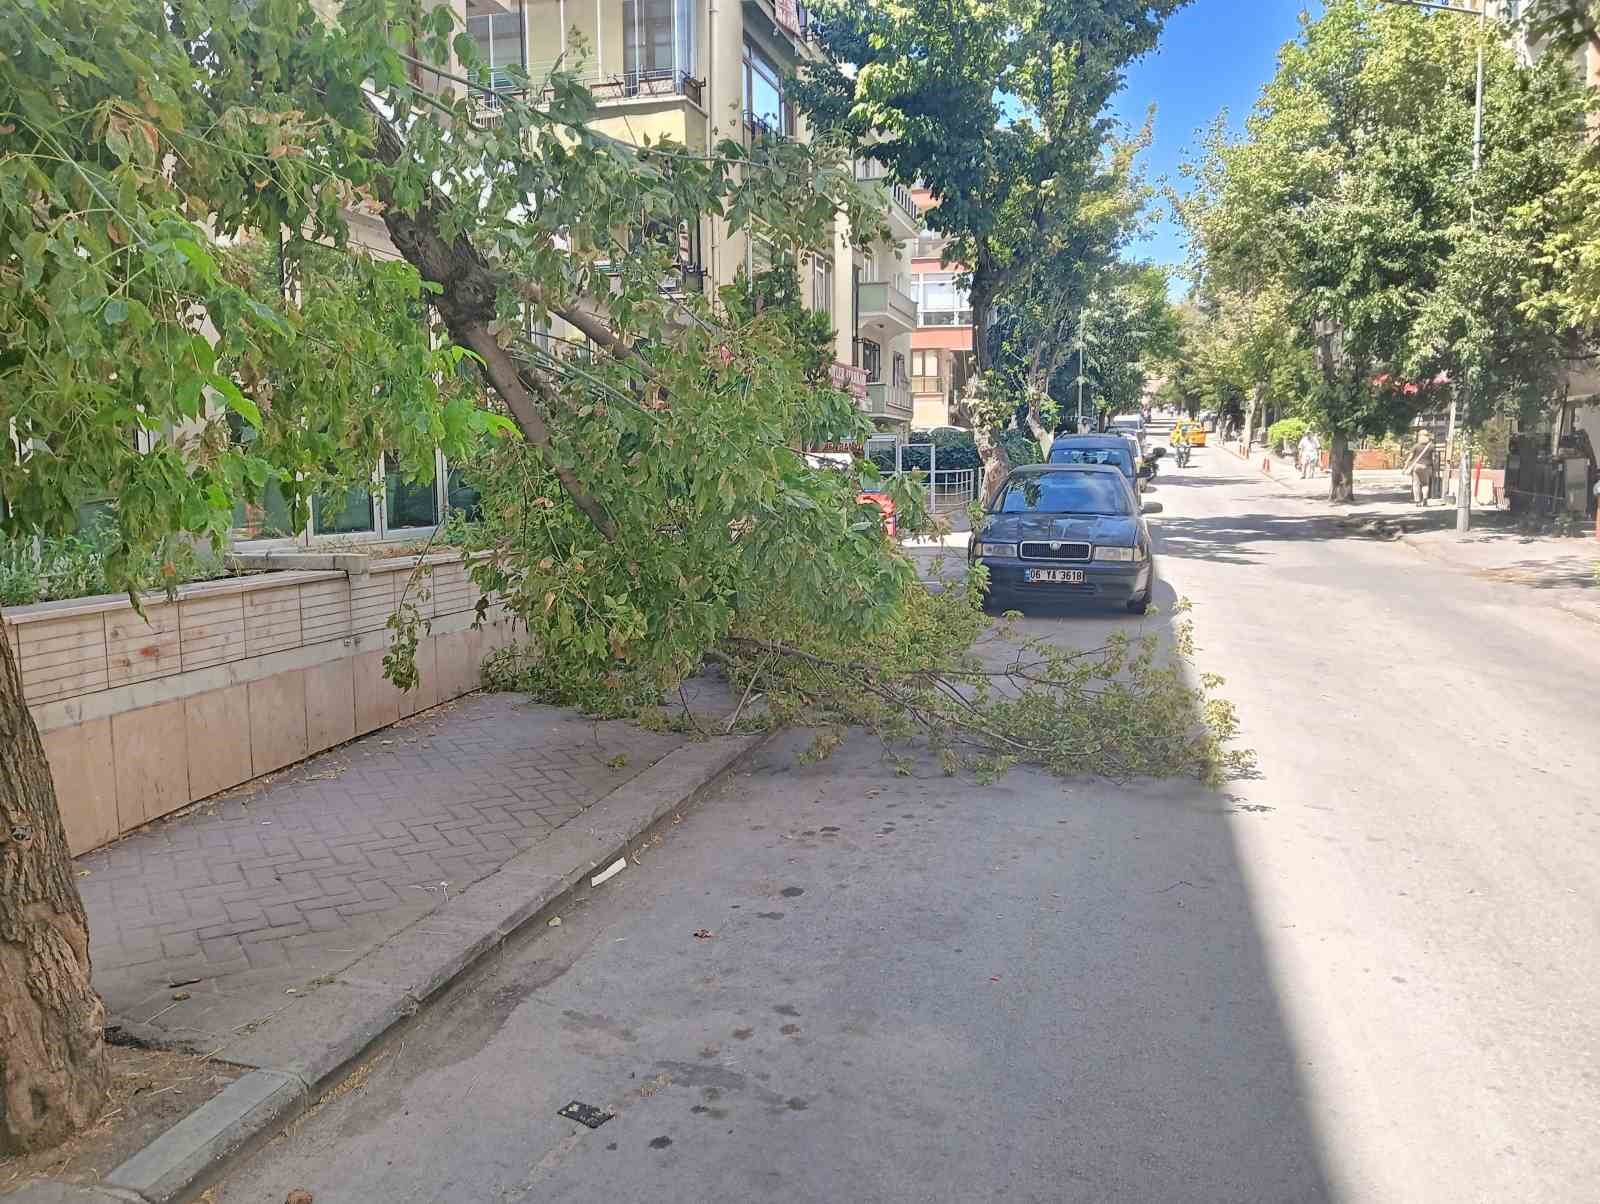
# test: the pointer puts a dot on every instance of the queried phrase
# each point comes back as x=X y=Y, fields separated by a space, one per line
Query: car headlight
x=1003 y=550
x=1105 y=553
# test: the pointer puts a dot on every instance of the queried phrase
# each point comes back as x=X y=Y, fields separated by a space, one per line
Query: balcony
x=885 y=309
x=904 y=214
x=890 y=401
x=648 y=84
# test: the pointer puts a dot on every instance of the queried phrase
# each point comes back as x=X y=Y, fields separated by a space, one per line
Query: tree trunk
x=1252 y=407
x=1037 y=429
x=974 y=407
x=53 y=1072
x=1341 y=469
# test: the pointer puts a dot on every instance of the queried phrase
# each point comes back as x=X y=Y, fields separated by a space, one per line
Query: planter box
x=141 y=715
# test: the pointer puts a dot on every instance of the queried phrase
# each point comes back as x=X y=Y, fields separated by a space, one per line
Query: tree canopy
x=1352 y=196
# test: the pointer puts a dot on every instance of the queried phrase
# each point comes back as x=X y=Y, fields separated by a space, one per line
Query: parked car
x=1118 y=450
x=1132 y=425
x=1067 y=530
x=842 y=462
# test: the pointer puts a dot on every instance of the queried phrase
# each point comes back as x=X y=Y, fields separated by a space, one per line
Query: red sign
x=849 y=379
x=788 y=15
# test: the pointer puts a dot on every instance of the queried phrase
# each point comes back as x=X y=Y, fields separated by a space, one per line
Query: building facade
x=698 y=72
x=941 y=347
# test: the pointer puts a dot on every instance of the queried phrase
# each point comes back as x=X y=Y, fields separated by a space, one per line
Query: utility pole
x=1463 y=481
x=1083 y=365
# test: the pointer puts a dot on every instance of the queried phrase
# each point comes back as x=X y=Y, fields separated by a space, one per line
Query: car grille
x=1055 y=551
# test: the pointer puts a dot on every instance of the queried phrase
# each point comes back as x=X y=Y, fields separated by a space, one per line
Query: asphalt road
x=1369 y=974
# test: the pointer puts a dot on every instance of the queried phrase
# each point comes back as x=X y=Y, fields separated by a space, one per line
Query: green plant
x=1286 y=432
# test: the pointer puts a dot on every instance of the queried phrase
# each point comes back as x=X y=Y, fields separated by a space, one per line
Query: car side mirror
x=1152 y=508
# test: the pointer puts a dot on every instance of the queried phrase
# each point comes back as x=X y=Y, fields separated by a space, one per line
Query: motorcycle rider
x=1179 y=442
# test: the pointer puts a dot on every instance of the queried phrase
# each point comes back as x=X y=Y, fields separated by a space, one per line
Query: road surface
x=1368 y=974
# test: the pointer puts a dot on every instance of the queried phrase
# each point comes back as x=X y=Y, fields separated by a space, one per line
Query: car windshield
x=1065 y=493
x=1117 y=457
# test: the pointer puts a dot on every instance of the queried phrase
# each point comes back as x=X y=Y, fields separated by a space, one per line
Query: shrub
x=1286 y=432
x=955 y=450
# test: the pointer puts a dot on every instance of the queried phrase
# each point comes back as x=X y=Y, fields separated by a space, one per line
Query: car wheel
x=1139 y=605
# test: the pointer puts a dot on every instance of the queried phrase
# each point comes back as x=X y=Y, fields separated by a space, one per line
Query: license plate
x=1052 y=576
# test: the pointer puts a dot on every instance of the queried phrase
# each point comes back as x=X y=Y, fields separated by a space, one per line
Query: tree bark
x=1252 y=407
x=1037 y=428
x=53 y=1072
x=469 y=288
x=1341 y=469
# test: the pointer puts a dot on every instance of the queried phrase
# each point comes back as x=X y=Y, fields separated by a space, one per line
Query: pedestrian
x=1419 y=465
x=1310 y=454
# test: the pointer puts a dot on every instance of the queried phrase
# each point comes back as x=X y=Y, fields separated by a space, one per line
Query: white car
x=1131 y=425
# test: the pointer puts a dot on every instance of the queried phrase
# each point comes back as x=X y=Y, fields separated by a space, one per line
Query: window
x=408 y=505
x=925 y=372
x=349 y=513
x=822 y=285
x=268 y=516
x=461 y=494
x=869 y=356
x=648 y=28
x=499 y=39
x=1066 y=493
x=940 y=302
x=765 y=105
x=899 y=368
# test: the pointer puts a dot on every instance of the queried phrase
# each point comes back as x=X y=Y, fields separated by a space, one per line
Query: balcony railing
x=871 y=171
x=886 y=400
x=650 y=82
x=886 y=303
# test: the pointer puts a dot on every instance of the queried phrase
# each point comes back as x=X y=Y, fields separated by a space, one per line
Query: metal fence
x=952 y=489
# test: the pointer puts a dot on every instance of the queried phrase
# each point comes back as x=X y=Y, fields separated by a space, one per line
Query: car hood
x=1096 y=529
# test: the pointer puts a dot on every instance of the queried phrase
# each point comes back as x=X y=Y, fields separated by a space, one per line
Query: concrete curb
x=300 y=1053
x=1265 y=476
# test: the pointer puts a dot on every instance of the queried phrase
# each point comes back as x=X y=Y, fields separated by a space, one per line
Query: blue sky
x=1214 y=54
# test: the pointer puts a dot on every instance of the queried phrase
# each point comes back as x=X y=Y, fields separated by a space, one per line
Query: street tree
x=153 y=159
x=188 y=321
x=1353 y=193
x=999 y=110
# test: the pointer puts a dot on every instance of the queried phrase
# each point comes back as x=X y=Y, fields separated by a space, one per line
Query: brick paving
x=261 y=890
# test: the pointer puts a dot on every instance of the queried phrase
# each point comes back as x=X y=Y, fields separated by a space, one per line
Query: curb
x=295 y=1057
x=1265 y=476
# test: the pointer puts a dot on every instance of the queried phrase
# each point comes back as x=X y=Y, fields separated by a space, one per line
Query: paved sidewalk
x=205 y=924
x=1561 y=569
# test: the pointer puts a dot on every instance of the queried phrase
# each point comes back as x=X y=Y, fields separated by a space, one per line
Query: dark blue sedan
x=1067 y=530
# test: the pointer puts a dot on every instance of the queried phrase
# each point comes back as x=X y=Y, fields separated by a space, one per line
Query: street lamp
x=1463 y=489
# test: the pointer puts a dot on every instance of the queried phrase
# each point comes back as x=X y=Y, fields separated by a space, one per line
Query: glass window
x=461 y=494
x=869 y=356
x=349 y=513
x=925 y=371
x=822 y=285
x=764 y=101
x=1065 y=493
x=647 y=38
x=499 y=40
x=1116 y=457
x=268 y=516
x=940 y=302
x=408 y=504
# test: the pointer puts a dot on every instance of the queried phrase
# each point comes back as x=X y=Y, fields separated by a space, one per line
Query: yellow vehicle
x=1192 y=432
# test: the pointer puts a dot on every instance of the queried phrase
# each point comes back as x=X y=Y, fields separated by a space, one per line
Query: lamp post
x=1463 y=488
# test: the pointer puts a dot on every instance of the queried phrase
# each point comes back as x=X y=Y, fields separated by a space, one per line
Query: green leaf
x=236 y=400
x=115 y=312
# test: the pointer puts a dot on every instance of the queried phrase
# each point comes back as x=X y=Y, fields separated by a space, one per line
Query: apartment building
x=941 y=347
x=698 y=71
